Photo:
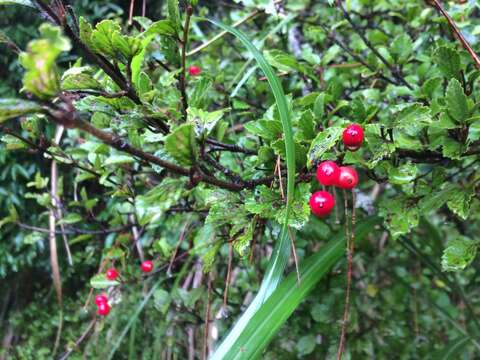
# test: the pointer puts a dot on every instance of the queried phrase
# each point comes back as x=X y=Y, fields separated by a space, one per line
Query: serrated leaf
x=456 y=101
x=319 y=106
x=267 y=129
x=401 y=48
x=161 y=27
x=182 y=145
x=80 y=81
x=204 y=121
x=41 y=76
x=12 y=108
x=403 y=174
x=324 y=141
x=460 y=201
x=448 y=61
x=459 y=254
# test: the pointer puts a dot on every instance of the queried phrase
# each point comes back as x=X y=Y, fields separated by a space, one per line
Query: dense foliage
x=176 y=138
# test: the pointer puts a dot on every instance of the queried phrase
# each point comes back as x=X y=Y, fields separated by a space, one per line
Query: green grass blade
x=281 y=252
x=271 y=315
x=17 y=2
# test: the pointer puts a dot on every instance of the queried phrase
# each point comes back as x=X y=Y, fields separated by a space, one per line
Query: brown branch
x=72 y=120
x=436 y=4
x=103 y=63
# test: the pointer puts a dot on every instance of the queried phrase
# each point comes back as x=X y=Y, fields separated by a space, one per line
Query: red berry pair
x=330 y=174
x=102 y=305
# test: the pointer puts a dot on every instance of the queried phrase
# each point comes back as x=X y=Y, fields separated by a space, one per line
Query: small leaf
x=12 y=108
x=174 y=14
x=101 y=282
x=456 y=101
x=319 y=106
x=459 y=254
x=403 y=174
x=324 y=141
x=162 y=27
x=181 y=144
x=448 y=61
x=460 y=201
x=204 y=121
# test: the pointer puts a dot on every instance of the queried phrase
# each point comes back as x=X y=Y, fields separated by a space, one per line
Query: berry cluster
x=101 y=300
x=330 y=174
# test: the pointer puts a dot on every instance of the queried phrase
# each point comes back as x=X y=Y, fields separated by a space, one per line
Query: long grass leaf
x=271 y=315
x=282 y=248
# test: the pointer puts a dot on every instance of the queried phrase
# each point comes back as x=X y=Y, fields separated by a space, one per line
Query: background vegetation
x=200 y=169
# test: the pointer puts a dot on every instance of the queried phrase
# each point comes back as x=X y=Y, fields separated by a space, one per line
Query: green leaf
x=41 y=76
x=267 y=129
x=106 y=39
x=324 y=141
x=436 y=199
x=286 y=62
x=174 y=14
x=100 y=281
x=460 y=201
x=401 y=48
x=319 y=106
x=12 y=108
x=459 y=254
x=80 y=78
x=161 y=27
x=403 y=174
x=453 y=350
x=182 y=145
x=152 y=205
x=456 y=101
x=400 y=215
x=275 y=311
x=204 y=121
x=305 y=345
x=474 y=131
x=281 y=251
x=448 y=60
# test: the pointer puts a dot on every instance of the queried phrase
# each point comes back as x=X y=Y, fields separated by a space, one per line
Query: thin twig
x=367 y=42
x=229 y=274
x=207 y=319
x=457 y=32
x=84 y=336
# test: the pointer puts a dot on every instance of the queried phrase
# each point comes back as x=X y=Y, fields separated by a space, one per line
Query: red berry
x=112 y=274
x=353 y=137
x=100 y=299
x=194 y=70
x=348 y=177
x=103 y=309
x=327 y=173
x=146 y=266
x=321 y=203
